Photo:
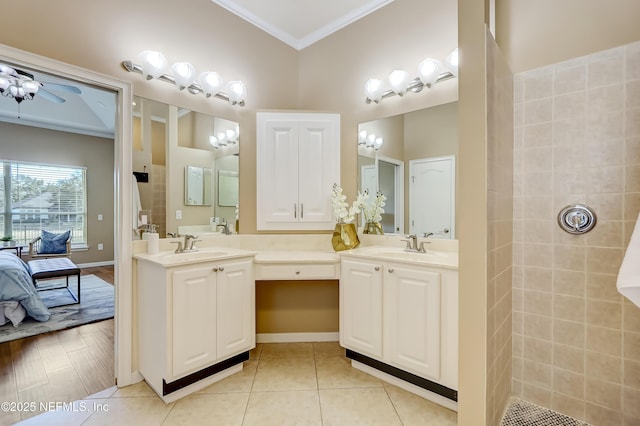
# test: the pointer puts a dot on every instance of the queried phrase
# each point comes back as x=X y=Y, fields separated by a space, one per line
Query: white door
x=412 y=320
x=277 y=171
x=368 y=182
x=432 y=197
x=235 y=308
x=361 y=307
x=193 y=332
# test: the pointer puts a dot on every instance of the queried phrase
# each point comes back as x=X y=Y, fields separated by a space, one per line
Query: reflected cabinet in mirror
x=415 y=169
x=192 y=160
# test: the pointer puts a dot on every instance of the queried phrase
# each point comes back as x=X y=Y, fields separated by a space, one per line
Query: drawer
x=287 y=271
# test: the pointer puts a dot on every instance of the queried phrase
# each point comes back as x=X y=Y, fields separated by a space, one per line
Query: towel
x=629 y=274
x=136 y=206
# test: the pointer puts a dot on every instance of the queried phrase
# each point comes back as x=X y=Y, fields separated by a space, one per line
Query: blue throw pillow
x=54 y=243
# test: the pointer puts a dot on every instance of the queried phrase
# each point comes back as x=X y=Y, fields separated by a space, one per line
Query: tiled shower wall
x=499 y=230
x=576 y=341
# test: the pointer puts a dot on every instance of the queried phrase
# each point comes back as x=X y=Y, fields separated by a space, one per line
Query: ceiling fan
x=21 y=85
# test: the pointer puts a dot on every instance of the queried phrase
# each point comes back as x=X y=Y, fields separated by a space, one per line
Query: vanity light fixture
x=153 y=65
x=369 y=141
x=430 y=72
x=224 y=139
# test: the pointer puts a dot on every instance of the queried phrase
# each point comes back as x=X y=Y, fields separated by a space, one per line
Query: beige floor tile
x=336 y=372
x=218 y=409
x=286 y=350
x=137 y=389
x=365 y=406
x=238 y=382
x=74 y=414
x=140 y=410
x=285 y=374
x=325 y=349
x=283 y=408
x=103 y=394
x=256 y=352
x=415 y=410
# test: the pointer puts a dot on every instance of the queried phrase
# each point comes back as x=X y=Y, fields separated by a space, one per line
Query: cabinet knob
x=214 y=269
x=377 y=268
x=297 y=272
x=221 y=268
x=391 y=270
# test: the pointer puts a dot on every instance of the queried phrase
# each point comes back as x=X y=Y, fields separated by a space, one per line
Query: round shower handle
x=577 y=219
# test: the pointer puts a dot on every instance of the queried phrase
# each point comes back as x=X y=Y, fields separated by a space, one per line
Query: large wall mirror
x=187 y=169
x=415 y=168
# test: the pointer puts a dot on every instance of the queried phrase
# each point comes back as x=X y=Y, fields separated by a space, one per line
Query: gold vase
x=345 y=237
x=373 y=228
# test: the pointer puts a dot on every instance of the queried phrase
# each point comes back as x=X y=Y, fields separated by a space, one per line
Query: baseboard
x=96 y=264
x=297 y=337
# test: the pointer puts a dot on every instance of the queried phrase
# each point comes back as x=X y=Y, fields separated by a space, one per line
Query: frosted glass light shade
x=4 y=83
x=399 y=80
x=377 y=144
x=429 y=70
x=183 y=74
x=153 y=63
x=452 y=62
x=362 y=137
x=210 y=83
x=371 y=139
x=213 y=141
x=373 y=89
x=31 y=87
x=236 y=91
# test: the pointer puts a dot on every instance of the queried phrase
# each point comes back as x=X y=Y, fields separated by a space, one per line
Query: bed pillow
x=53 y=243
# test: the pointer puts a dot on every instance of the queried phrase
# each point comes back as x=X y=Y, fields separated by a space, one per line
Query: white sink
x=195 y=255
x=443 y=258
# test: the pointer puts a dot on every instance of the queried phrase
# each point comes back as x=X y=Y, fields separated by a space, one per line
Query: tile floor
x=282 y=383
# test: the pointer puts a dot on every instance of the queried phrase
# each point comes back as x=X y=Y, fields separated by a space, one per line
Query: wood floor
x=60 y=366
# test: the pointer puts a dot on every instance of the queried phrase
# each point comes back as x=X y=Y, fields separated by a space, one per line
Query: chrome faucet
x=412 y=244
x=189 y=242
x=225 y=227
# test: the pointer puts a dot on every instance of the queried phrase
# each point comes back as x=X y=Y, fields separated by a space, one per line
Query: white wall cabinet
x=401 y=314
x=192 y=317
x=298 y=161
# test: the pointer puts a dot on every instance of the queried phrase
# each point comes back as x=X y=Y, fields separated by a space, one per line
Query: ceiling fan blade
x=50 y=96
x=63 y=87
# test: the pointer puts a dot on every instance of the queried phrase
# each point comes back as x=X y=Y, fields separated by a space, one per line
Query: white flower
x=341 y=209
x=373 y=212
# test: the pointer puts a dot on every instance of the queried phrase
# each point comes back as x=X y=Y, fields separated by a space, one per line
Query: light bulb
x=371 y=140
x=377 y=144
x=31 y=87
x=373 y=89
x=362 y=137
x=452 y=62
x=211 y=83
x=429 y=71
x=4 y=83
x=153 y=63
x=236 y=92
x=214 y=142
x=183 y=74
x=399 y=79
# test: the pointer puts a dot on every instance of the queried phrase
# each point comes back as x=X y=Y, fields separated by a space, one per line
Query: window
x=37 y=196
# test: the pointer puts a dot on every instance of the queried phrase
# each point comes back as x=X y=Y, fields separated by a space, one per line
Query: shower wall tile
x=576 y=340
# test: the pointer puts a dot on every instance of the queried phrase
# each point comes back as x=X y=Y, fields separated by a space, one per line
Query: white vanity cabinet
x=191 y=319
x=298 y=161
x=403 y=315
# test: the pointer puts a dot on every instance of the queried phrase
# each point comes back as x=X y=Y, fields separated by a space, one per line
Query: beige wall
x=577 y=140
x=44 y=146
x=537 y=33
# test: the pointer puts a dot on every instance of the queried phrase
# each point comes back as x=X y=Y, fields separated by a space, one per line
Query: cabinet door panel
x=319 y=160
x=361 y=307
x=236 y=309
x=193 y=321
x=412 y=320
x=277 y=171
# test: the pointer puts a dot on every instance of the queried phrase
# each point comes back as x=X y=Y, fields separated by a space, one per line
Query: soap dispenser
x=153 y=240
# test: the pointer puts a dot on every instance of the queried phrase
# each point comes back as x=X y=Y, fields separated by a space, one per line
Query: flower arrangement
x=341 y=209
x=373 y=212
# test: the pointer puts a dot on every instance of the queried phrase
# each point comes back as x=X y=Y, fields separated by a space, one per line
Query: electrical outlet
x=100 y=216
x=178 y=214
x=100 y=246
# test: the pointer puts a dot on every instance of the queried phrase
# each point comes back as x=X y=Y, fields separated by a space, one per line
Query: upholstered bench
x=54 y=268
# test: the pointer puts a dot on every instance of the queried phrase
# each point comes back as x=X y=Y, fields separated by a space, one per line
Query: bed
x=18 y=297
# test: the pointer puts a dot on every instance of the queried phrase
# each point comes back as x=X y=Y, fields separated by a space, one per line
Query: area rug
x=523 y=413
x=97 y=305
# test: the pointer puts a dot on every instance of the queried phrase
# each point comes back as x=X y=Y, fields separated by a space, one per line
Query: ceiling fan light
x=210 y=82
x=31 y=87
x=399 y=79
x=429 y=70
x=183 y=74
x=4 y=83
x=373 y=89
x=452 y=62
x=153 y=63
x=236 y=92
